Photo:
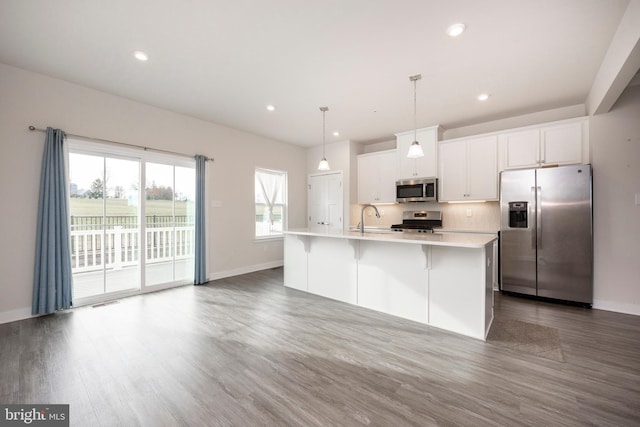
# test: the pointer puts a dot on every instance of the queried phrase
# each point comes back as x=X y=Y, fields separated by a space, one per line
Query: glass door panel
x=185 y=205
x=105 y=231
x=86 y=209
x=170 y=207
x=122 y=229
x=160 y=224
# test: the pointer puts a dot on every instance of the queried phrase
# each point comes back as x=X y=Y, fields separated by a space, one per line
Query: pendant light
x=415 y=150
x=324 y=164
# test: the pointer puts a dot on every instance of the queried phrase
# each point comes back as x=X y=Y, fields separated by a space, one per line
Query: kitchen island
x=443 y=280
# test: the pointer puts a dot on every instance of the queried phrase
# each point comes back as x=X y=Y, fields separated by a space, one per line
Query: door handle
x=532 y=214
x=539 y=217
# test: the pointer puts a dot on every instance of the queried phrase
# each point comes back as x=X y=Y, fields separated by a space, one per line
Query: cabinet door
x=367 y=179
x=387 y=171
x=377 y=175
x=424 y=167
x=452 y=163
x=482 y=169
x=562 y=144
x=520 y=149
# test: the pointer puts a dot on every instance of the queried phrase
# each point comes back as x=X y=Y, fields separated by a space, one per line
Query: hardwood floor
x=246 y=351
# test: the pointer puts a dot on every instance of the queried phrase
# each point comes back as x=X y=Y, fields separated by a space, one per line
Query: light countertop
x=461 y=240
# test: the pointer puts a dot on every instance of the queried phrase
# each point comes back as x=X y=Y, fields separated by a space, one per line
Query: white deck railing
x=120 y=247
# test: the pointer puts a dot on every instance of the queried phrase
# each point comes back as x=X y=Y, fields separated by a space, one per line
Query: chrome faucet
x=362 y=216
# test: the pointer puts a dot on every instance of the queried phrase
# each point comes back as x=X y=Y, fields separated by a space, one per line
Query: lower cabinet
x=333 y=269
x=393 y=279
x=456 y=302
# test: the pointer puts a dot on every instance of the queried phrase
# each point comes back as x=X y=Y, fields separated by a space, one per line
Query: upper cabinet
x=468 y=169
x=559 y=143
x=377 y=175
x=423 y=167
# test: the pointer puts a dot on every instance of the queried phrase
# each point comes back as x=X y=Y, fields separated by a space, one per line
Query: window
x=271 y=202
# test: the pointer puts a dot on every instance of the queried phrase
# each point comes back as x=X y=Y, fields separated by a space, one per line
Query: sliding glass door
x=124 y=240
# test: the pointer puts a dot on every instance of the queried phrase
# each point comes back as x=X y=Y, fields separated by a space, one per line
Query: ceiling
x=225 y=61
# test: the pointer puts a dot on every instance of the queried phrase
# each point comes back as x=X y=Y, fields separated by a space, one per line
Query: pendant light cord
x=324 y=110
x=415 y=109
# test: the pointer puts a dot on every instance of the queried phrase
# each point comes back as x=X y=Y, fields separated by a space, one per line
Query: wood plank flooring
x=246 y=351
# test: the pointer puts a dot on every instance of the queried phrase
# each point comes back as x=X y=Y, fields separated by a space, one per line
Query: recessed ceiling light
x=271 y=107
x=336 y=133
x=140 y=55
x=456 y=29
x=483 y=97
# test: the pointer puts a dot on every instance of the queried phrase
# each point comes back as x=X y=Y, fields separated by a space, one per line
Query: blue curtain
x=52 y=286
x=200 y=276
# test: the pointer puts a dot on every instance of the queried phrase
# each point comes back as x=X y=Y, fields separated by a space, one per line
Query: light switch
x=637 y=199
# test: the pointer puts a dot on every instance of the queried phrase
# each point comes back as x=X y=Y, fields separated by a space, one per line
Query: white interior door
x=325 y=202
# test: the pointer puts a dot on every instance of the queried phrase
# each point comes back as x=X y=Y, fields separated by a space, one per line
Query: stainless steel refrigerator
x=546 y=239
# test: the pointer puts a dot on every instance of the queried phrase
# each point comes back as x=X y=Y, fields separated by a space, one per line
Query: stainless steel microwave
x=417 y=190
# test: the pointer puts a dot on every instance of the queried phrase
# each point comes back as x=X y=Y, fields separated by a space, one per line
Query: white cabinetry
x=423 y=167
x=325 y=201
x=392 y=278
x=377 y=175
x=456 y=302
x=468 y=169
x=559 y=143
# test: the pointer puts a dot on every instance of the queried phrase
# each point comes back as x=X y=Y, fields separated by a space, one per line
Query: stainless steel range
x=419 y=222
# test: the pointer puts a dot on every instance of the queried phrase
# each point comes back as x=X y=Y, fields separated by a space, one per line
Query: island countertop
x=460 y=240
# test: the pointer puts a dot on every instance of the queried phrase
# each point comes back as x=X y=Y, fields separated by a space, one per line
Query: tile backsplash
x=456 y=216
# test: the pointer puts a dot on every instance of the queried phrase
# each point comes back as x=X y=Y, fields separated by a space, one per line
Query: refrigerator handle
x=539 y=216
x=532 y=215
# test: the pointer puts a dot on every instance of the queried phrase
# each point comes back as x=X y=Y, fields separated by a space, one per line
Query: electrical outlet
x=469 y=213
x=381 y=212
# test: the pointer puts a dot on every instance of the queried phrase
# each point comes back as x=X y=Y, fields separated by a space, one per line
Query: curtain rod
x=208 y=159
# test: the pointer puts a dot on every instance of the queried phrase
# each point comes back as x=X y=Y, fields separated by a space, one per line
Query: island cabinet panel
x=295 y=258
x=456 y=298
x=392 y=278
x=332 y=269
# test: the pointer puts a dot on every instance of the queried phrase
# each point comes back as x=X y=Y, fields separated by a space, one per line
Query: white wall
x=615 y=155
x=28 y=98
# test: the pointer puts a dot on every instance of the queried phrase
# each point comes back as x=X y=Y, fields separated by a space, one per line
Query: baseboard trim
x=246 y=269
x=15 y=315
x=617 y=307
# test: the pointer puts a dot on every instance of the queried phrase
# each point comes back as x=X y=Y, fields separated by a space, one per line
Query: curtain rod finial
x=32 y=128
